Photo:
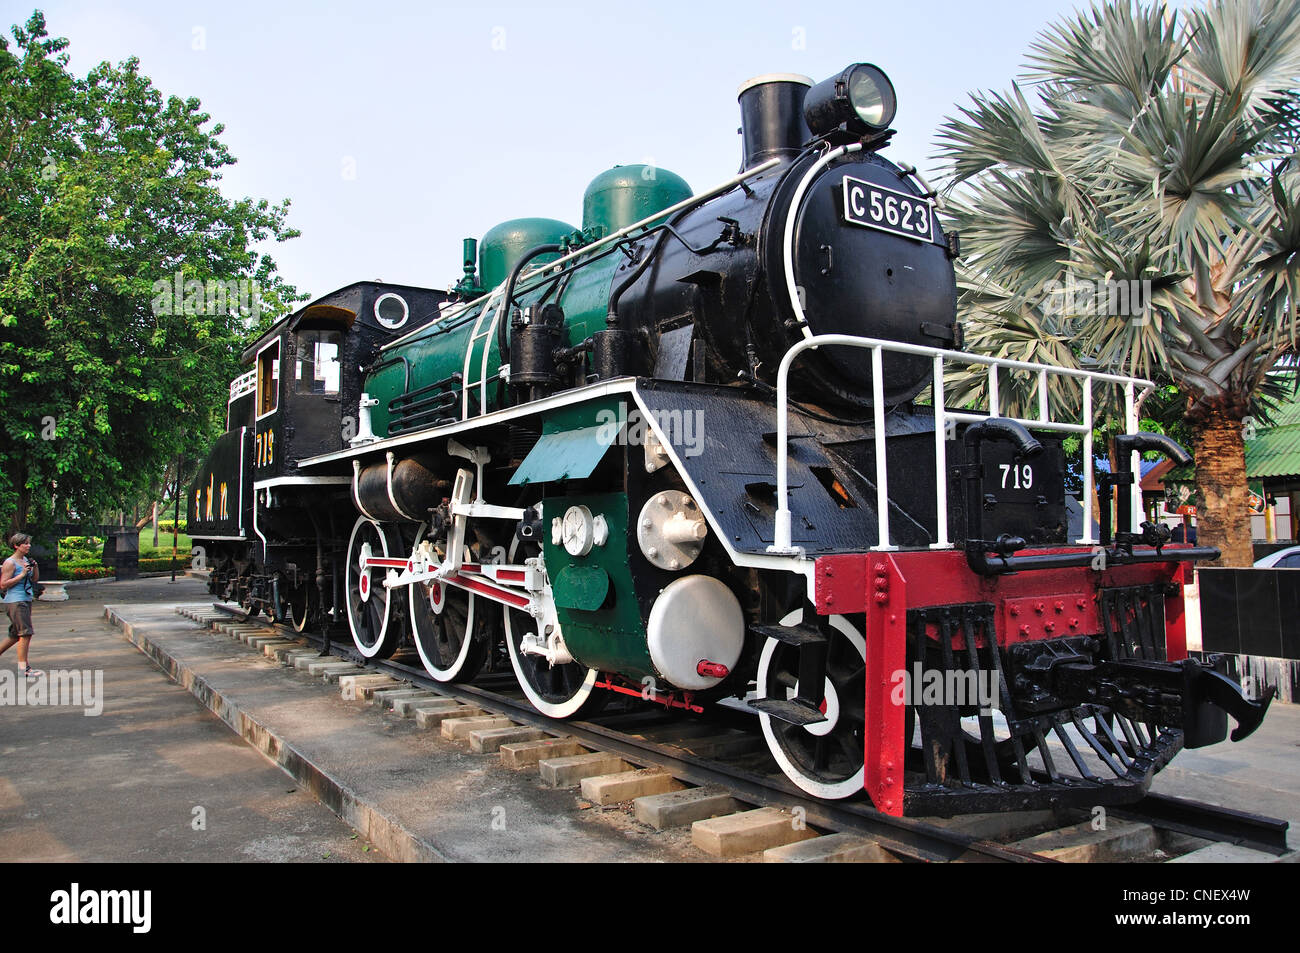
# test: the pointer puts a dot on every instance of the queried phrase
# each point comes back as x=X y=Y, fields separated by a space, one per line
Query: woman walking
x=18 y=583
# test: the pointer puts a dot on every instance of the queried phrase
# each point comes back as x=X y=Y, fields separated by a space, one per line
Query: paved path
x=133 y=783
x=418 y=796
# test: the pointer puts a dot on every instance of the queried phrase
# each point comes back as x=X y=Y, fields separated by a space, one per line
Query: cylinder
x=470 y=256
x=532 y=350
x=612 y=354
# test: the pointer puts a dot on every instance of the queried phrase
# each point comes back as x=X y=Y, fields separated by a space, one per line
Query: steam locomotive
x=697 y=451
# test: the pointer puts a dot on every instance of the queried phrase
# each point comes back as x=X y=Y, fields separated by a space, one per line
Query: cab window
x=268 y=379
x=316 y=370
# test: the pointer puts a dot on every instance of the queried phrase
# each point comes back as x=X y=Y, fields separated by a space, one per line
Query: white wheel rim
x=830 y=791
x=414 y=595
x=354 y=572
x=551 y=709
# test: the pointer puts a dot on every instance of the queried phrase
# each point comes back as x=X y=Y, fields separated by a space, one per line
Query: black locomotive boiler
x=697 y=449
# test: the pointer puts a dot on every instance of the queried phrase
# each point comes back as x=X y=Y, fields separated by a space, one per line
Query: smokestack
x=771 y=117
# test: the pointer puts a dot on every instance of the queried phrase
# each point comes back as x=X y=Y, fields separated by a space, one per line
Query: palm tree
x=1154 y=148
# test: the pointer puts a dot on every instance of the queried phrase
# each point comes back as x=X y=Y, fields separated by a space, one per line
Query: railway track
x=723 y=750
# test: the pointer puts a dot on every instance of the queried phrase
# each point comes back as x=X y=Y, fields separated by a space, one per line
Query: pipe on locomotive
x=787 y=247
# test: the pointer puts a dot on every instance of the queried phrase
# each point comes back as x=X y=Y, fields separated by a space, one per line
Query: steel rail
x=905 y=837
x=1210 y=822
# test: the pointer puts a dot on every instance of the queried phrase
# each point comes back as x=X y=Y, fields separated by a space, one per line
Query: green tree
x=109 y=203
x=1155 y=148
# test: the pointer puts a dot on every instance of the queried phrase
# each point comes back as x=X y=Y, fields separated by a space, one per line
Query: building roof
x=1275 y=451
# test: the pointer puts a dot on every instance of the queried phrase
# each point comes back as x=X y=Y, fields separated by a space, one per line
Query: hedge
x=164 y=563
x=92 y=569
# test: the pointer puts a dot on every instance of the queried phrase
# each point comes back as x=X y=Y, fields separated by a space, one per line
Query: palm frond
x=998 y=130
x=1155 y=160
x=1122 y=52
x=1020 y=226
x=1176 y=178
x=1267 y=305
x=1247 y=51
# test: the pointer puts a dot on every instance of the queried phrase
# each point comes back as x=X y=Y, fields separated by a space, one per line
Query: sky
x=398 y=128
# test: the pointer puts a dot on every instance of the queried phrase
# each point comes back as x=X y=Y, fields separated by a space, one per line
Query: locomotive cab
x=254 y=515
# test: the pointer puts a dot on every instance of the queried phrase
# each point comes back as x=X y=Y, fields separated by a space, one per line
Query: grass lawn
x=147 y=550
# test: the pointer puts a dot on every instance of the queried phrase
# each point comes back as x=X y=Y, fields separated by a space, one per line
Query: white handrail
x=787 y=243
x=466 y=382
x=782 y=542
x=243 y=384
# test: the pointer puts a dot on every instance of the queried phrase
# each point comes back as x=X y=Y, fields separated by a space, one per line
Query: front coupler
x=1186 y=694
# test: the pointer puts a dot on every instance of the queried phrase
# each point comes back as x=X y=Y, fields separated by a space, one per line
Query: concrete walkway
x=415 y=795
x=154 y=776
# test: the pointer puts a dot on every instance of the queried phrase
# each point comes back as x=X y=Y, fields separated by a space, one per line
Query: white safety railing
x=782 y=540
x=243 y=384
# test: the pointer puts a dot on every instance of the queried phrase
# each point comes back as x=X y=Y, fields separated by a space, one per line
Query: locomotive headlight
x=860 y=100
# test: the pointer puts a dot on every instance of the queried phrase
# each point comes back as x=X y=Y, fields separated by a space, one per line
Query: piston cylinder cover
x=696 y=625
x=671 y=530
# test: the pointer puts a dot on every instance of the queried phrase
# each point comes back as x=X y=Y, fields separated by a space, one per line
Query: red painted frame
x=885 y=586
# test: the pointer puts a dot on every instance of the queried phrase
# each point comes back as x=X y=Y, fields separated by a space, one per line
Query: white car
x=1288 y=558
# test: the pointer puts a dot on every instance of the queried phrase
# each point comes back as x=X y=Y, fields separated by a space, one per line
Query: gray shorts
x=20 y=620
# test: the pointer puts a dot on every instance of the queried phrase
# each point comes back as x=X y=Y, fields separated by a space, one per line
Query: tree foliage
x=109 y=195
x=1156 y=152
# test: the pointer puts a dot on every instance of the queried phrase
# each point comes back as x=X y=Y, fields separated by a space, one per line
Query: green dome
x=626 y=194
x=505 y=244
